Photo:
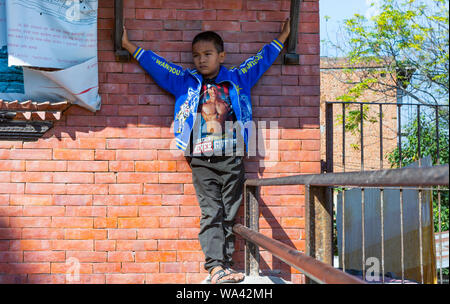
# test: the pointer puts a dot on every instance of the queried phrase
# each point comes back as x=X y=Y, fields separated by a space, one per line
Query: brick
x=137 y=245
x=38 y=188
x=165 y=278
x=43 y=233
x=89 y=166
x=128 y=177
x=158 y=211
x=125 y=278
x=106 y=267
x=96 y=211
x=73 y=177
x=85 y=234
x=125 y=189
x=12 y=165
x=158 y=233
x=264 y=5
x=12 y=188
x=32 y=221
x=70 y=154
x=72 y=222
x=33 y=245
x=41 y=166
x=121 y=234
x=138 y=222
x=122 y=211
x=163 y=189
x=156 y=256
x=11 y=256
x=221 y=26
x=44 y=256
x=86 y=189
x=225 y=5
x=42 y=211
x=170 y=178
x=72 y=245
x=11 y=211
x=25 y=268
x=73 y=200
x=140 y=268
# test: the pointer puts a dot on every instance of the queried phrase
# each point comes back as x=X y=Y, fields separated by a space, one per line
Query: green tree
x=404 y=50
x=429 y=140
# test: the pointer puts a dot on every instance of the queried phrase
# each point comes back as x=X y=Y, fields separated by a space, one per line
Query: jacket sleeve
x=254 y=67
x=167 y=75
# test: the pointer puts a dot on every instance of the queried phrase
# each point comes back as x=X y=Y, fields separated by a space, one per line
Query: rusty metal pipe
x=314 y=269
x=404 y=177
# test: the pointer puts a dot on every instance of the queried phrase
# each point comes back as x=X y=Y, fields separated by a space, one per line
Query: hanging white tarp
x=48 y=51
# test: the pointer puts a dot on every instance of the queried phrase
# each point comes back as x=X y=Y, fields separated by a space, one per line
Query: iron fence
x=319 y=215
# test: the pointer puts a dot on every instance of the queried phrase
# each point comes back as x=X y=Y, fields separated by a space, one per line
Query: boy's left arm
x=253 y=68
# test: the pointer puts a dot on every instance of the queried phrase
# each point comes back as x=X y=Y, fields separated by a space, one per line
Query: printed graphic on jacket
x=186 y=108
x=214 y=126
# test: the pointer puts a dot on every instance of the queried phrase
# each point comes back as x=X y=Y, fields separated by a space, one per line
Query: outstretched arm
x=126 y=43
x=254 y=67
x=285 y=31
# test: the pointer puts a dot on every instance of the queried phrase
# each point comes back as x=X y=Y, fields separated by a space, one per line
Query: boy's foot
x=219 y=275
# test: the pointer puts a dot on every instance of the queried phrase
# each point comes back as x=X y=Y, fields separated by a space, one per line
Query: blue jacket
x=185 y=85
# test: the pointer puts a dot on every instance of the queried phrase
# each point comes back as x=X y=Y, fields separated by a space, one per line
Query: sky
x=338 y=10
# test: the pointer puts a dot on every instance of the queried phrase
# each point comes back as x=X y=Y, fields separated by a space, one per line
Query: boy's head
x=208 y=53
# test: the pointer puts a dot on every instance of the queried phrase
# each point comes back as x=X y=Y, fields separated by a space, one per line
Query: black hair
x=211 y=37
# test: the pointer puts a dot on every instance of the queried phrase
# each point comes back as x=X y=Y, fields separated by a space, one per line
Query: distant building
x=333 y=72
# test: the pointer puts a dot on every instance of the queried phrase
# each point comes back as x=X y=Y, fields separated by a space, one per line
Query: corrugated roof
x=32 y=110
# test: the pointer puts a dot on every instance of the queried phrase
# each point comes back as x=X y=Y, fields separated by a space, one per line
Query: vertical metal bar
x=440 y=234
x=309 y=227
x=120 y=53
x=381 y=136
x=319 y=223
x=438 y=193
x=399 y=129
x=420 y=195
x=418 y=136
x=343 y=137
x=291 y=57
x=362 y=137
x=402 y=249
x=382 y=231
x=420 y=236
x=363 y=250
x=343 y=230
x=252 y=222
x=329 y=136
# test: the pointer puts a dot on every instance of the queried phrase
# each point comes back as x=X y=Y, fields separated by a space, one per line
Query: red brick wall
x=110 y=189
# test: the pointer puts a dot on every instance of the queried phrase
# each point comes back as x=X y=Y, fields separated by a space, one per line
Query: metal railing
x=411 y=130
x=319 y=216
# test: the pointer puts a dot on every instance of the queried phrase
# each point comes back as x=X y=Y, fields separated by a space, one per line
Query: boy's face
x=207 y=59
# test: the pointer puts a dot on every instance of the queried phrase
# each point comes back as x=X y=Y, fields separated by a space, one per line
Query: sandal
x=231 y=271
x=221 y=274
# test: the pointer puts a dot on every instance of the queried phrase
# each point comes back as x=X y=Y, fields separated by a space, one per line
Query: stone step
x=259 y=280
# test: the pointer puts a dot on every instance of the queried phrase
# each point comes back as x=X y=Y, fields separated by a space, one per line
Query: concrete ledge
x=258 y=280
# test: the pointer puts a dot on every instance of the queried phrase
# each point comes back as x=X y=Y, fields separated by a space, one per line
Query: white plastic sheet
x=60 y=35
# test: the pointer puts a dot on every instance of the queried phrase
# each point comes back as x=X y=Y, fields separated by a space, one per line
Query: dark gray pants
x=219 y=183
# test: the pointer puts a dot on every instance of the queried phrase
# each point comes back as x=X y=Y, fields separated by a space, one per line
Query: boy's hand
x=126 y=44
x=124 y=37
x=285 y=31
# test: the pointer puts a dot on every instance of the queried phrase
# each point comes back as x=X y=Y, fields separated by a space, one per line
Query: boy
x=212 y=114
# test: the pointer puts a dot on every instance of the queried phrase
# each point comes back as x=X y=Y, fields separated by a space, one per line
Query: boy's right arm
x=167 y=75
